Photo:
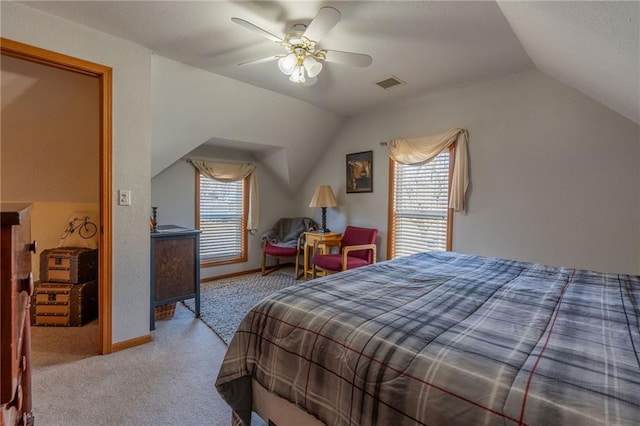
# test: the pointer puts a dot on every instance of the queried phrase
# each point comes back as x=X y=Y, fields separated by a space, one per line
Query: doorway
x=103 y=75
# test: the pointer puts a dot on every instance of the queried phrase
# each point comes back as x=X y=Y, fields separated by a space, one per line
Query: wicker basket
x=165 y=311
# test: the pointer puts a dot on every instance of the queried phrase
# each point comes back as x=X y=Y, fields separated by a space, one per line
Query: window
x=419 y=216
x=221 y=215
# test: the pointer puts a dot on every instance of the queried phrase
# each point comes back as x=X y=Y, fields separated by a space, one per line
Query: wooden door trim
x=104 y=74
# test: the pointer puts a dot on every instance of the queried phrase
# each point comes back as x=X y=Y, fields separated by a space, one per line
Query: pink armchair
x=357 y=248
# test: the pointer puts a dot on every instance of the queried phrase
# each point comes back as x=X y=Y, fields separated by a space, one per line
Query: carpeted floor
x=224 y=302
x=60 y=345
x=167 y=382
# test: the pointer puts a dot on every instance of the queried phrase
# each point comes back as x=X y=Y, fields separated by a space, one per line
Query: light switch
x=124 y=197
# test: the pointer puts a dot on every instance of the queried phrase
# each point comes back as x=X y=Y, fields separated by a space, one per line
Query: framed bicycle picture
x=360 y=172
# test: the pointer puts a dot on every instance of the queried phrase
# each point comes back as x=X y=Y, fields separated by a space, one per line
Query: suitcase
x=69 y=265
x=59 y=304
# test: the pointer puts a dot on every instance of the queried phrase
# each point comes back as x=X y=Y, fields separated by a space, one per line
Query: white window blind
x=420 y=206
x=221 y=219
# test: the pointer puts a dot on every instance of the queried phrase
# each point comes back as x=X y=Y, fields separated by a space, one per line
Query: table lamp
x=323 y=198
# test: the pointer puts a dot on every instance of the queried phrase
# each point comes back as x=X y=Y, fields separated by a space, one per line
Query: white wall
x=191 y=106
x=173 y=192
x=131 y=148
x=555 y=176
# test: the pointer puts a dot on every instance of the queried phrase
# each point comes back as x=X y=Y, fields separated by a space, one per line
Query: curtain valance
x=419 y=151
x=231 y=172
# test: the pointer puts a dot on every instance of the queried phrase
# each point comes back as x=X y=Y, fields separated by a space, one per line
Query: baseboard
x=126 y=344
x=237 y=274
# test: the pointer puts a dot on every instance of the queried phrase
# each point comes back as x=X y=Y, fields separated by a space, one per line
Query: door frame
x=104 y=75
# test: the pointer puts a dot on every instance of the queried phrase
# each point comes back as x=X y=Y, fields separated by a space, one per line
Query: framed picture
x=360 y=172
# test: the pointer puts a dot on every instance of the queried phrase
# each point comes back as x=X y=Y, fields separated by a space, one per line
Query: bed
x=442 y=339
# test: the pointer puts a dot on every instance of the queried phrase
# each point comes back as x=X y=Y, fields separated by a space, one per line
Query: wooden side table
x=326 y=239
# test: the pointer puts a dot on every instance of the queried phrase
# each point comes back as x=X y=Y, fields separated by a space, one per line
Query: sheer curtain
x=231 y=172
x=419 y=151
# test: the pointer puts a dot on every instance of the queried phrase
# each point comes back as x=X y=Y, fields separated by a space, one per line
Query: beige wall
x=48 y=223
x=50 y=134
x=49 y=149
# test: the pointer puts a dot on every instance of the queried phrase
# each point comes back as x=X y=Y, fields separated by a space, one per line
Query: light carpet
x=224 y=302
x=167 y=382
x=60 y=345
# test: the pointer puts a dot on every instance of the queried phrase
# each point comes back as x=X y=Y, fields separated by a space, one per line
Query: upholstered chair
x=357 y=248
x=285 y=240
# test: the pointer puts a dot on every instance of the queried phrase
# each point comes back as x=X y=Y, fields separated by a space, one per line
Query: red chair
x=285 y=240
x=357 y=248
x=278 y=253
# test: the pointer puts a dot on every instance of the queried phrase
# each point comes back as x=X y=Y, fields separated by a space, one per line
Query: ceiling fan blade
x=261 y=60
x=326 y=18
x=349 y=58
x=264 y=33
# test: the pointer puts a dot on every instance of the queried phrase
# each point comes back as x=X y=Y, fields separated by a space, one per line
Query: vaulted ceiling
x=593 y=47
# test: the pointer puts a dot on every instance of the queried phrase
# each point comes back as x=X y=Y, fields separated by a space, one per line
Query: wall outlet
x=124 y=197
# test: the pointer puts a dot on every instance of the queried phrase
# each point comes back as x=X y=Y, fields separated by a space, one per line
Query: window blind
x=420 y=206
x=221 y=219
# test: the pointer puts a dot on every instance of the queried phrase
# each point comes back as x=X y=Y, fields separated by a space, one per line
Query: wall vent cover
x=390 y=82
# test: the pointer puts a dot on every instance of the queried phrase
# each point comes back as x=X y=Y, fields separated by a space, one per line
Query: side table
x=326 y=239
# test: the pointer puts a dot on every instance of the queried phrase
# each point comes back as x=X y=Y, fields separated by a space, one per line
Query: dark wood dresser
x=15 y=332
x=175 y=267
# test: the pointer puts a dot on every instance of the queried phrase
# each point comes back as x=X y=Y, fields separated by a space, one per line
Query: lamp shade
x=323 y=197
x=297 y=76
x=287 y=64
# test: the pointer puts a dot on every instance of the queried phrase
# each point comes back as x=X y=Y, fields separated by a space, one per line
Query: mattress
x=445 y=339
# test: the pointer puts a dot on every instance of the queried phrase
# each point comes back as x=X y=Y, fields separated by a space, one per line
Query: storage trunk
x=59 y=304
x=69 y=265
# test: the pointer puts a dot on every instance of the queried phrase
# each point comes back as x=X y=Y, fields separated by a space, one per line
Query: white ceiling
x=591 y=46
x=429 y=45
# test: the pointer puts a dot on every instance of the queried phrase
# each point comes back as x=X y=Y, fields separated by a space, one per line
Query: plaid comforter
x=446 y=339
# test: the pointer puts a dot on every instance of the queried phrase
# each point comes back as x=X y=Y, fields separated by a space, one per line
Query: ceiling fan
x=303 y=61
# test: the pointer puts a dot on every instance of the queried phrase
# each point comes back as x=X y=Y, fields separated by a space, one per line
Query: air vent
x=390 y=82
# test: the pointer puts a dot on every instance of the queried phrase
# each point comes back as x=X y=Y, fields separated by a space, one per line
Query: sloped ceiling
x=592 y=46
x=191 y=107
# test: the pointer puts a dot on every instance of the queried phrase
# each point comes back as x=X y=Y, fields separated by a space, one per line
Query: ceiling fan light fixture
x=288 y=63
x=312 y=66
x=303 y=62
x=297 y=76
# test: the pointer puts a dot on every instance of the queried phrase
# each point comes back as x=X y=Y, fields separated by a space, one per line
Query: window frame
x=391 y=231
x=205 y=263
